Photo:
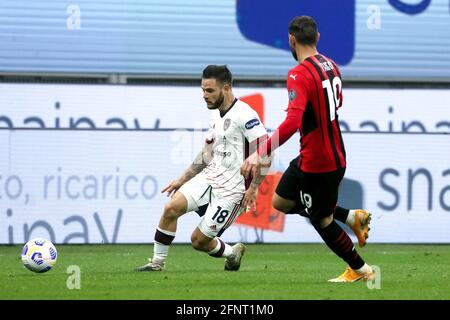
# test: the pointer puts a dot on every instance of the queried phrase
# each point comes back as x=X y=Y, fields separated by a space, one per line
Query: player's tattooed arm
x=261 y=171
x=264 y=165
x=260 y=167
x=200 y=162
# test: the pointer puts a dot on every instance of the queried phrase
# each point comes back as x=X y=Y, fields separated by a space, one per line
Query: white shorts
x=220 y=212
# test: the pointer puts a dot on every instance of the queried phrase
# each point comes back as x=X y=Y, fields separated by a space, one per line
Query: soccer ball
x=39 y=255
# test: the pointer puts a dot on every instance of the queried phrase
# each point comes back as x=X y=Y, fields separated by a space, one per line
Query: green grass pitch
x=268 y=271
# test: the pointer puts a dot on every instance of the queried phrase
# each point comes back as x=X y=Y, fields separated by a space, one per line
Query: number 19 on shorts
x=306 y=199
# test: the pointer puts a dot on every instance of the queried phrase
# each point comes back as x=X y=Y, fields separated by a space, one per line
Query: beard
x=218 y=102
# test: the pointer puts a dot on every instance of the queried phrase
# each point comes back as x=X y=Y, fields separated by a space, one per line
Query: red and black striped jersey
x=315 y=94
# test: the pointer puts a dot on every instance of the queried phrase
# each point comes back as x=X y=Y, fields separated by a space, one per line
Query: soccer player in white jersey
x=213 y=185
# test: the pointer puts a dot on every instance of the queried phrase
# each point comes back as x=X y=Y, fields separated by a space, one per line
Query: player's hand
x=251 y=166
x=250 y=198
x=172 y=187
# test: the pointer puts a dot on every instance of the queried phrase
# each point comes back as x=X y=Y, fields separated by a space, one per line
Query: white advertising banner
x=148 y=107
x=103 y=186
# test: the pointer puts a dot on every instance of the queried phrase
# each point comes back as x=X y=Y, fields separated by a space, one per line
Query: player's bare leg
x=289 y=206
x=203 y=243
x=217 y=248
x=165 y=233
x=283 y=204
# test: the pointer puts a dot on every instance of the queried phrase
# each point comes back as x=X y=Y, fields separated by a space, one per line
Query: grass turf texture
x=268 y=271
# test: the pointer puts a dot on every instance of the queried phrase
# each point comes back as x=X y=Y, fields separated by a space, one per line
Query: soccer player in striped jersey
x=310 y=184
x=213 y=186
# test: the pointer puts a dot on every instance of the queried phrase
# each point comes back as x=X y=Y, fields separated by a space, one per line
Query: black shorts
x=316 y=192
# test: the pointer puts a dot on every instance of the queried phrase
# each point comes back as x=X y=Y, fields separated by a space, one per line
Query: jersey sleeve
x=298 y=98
x=297 y=90
x=287 y=128
x=252 y=125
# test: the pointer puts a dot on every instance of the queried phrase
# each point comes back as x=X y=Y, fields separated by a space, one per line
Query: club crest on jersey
x=252 y=123
x=292 y=95
x=226 y=124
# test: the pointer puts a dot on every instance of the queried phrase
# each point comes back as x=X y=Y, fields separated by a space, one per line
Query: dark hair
x=220 y=73
x=304 y=29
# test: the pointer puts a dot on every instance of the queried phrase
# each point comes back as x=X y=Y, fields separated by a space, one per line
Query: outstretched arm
x=200 y=162
x=298 y=98
x=252 y=165
x=259 y=176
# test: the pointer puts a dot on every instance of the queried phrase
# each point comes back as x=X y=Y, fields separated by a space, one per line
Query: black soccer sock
x=164 y=237
x=341 y=214
x=340 y=243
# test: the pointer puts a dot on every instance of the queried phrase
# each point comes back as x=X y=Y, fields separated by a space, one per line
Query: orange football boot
x=351 y=275
x=361 y=226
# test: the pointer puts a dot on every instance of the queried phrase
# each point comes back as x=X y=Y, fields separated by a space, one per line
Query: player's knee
x=320 y=222
x=198 y=244
x=195 y=242
x=172 y=211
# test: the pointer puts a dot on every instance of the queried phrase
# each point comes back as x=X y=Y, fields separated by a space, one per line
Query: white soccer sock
x=364 y=269
x=227 y=250
x=160 y=251
x=350 y=218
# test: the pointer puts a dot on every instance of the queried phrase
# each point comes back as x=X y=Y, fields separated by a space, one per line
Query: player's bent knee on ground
x=199 y=243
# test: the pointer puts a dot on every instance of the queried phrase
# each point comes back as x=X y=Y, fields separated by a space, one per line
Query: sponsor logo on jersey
x=223 y=153
x=213 y=227
x=226 y=124
x=252 y=123
x=292 y=95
